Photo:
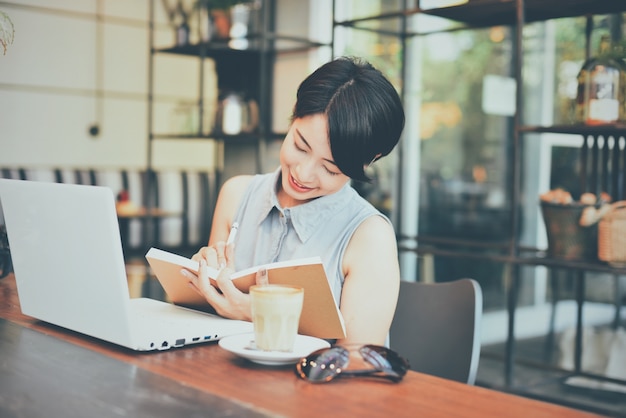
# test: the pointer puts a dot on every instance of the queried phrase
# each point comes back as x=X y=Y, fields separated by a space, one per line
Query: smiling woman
x=347 y=115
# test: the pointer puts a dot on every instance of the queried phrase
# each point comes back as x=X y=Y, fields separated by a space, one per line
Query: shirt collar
x=307 y=217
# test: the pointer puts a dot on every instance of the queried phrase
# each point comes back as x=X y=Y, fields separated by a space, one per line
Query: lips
x=297 y=186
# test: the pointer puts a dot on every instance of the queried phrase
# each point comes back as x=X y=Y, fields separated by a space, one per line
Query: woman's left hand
x=228 y=301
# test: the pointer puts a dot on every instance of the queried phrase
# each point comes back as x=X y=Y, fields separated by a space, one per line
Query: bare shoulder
x=373 y=229
x=233 y=190
x=373 y=239
x=228 y=201
x=236 y=185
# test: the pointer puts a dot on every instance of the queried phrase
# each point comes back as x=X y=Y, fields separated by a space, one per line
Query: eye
x=299 y=148
x=332 y=173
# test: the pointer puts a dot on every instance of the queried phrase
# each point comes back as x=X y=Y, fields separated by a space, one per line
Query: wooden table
x=50 y=371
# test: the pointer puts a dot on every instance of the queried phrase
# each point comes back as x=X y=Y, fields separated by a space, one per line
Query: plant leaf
x=7 y=31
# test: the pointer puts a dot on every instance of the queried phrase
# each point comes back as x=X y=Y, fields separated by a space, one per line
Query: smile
x=297 y=186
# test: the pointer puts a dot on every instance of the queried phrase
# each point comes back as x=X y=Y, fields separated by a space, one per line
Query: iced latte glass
x=276 y=314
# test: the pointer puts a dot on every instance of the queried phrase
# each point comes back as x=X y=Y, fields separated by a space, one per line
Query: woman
x=347 y=115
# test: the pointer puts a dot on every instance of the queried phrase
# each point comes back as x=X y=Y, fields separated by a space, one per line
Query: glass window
x=460 y=97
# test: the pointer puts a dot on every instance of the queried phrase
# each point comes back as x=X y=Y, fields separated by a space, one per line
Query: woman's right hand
x=217 y=256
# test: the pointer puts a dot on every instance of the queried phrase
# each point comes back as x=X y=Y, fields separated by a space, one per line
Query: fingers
x=202 y=284
x=198 y=281
x=226 y=299
x=230 y=259
x=225 y=284
x=209 y=254
x=236 y=303
x=219 y=256
x=262 y=278
x=202 y=281
x=220 y=253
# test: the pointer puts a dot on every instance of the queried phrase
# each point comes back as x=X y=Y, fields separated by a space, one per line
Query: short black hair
x=364 y=111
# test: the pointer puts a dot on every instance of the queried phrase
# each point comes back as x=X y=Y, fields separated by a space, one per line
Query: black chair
x=437 y=328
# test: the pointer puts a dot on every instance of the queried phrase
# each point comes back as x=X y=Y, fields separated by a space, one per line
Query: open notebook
x=69 y=268
x=320 y=315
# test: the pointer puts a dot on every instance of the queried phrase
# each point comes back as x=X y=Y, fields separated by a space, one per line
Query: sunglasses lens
x=384 y=359
x=323 y=365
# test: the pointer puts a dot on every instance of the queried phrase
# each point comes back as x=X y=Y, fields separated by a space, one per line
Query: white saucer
x=242 y=345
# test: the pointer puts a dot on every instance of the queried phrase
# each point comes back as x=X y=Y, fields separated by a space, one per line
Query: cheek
x=283 y=154
x=334 y=183
x=287 y=155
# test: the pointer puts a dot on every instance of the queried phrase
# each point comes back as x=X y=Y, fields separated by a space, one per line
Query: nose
x=306 y=170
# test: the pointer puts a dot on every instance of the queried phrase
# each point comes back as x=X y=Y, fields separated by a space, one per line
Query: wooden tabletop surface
x=209 y=378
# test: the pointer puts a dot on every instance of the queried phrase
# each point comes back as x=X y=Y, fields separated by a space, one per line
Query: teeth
x=297 y=183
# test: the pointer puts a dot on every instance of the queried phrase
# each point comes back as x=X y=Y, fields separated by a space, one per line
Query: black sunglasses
x=328 y=363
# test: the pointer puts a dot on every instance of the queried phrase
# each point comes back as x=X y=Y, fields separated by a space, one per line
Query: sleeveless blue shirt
x=322 y=227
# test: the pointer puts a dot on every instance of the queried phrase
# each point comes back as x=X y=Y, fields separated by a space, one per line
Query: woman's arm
x=372 y=281
x=226 y=206
x=228 y=200
x=228 y=301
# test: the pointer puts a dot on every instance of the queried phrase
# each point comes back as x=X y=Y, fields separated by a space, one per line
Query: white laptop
x=69 y=268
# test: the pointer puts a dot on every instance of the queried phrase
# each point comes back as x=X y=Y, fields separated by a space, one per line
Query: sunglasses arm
x=384 y=373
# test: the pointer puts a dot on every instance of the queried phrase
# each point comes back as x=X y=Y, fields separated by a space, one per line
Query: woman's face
x=308 y=169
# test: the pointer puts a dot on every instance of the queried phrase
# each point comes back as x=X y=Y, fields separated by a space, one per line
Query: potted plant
x=220 y=13
x=7 y=31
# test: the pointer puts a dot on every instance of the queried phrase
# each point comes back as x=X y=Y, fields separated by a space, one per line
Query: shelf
x=486 y=13
x=222 y=48
x=244 y=137
x=209 y=50
x=499 y=251
x=598 y=130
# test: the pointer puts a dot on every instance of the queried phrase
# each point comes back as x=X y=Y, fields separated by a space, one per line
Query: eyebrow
x=309 y=147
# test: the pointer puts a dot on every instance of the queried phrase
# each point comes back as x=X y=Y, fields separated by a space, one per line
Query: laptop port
x=195 y=339
x=179 y=342
x=164 y=344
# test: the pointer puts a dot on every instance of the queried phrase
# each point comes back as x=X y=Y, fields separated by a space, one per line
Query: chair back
x=437 y=328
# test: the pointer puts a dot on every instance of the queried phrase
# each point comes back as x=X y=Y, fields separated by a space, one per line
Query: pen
x=233 y=233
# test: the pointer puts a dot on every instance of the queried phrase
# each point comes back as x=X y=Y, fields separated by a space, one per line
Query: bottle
x=182 y=34
x=182 y=27
x=600 y=97
x=620 y=56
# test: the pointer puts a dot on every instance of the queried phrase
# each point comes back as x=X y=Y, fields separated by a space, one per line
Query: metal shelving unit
x=595 y=176
x=250 y=69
